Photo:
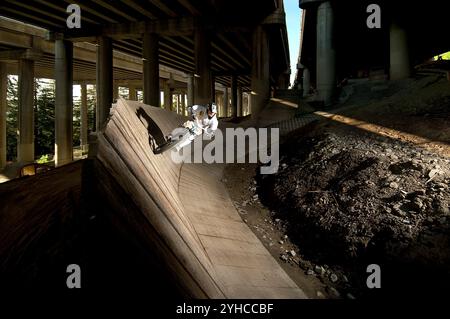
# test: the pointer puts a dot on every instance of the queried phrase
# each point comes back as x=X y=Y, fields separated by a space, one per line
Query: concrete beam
x=151 y=69
x=104 y=80
x=25 y=147
x=3 y=107
x=63 y=102
x=164 y=27
x=28 y=54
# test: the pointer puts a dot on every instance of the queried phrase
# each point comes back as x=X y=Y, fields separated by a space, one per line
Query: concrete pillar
x=167 y=96
x=63 y=102
x=246 y=104
x=239 y=102
x=190 y=90
x=183 y=104
x=326 y=55
x=3 y=107
x=104 y=82
x=234 y=94
x=84 y=118
x=225 y=102
x=400 y=67
x=25 y=147
x=115 y=91
x=260 y=82
x=132 y=94
x=213 y=89
x=202 y=86
x=151 y=69
x=306 y=82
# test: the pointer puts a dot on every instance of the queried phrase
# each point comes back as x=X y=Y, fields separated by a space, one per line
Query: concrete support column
x=63 y=102
x=326 y=55
x=234 y=94
x=115 y=91
x=306 y=82
x=400 y=67
x=225 y=102
x=132 y=94
x=167 y=96
x=202 y=87
x=183 y=104
x=151 y=69
x=260 y=71
x=84 y=119
x=213 y=89
x=239 y=102
x=104 y=82
x=25 y=147
x=3 y=107
x=190 y=90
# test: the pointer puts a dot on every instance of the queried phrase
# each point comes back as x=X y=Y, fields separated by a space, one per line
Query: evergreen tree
x=44 y=119
x=12 y=115
x=76 y=126
x=91 y=103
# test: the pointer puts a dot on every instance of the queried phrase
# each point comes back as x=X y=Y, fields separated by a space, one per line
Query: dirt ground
x=241 y=184
x=367 y=185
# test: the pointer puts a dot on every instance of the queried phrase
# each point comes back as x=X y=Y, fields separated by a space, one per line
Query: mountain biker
x=205 y=117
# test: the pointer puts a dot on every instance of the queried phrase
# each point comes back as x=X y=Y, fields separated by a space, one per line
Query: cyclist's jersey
x=200 y=116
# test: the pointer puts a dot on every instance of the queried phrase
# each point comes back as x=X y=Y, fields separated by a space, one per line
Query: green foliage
x=44 y=117
x=43 y=159
x=444 y=56
x=76 y=122
x=12 y=114
x=91 y=102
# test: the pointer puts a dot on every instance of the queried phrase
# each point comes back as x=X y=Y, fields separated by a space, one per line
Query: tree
x=91 y=103
x=44 y=119
x=76 y=123
x=12 y=114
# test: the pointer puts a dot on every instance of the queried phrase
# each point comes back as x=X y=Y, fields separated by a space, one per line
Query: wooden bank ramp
x=204 y=242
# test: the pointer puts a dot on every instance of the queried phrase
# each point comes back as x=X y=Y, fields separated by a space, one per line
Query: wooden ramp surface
x=205 y=243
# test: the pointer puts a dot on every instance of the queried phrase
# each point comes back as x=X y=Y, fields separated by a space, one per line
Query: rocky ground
x=351 y=199
x=348 y=196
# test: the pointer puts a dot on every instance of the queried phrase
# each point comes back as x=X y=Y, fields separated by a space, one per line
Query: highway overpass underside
x=240 y=45
x=337 y=42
